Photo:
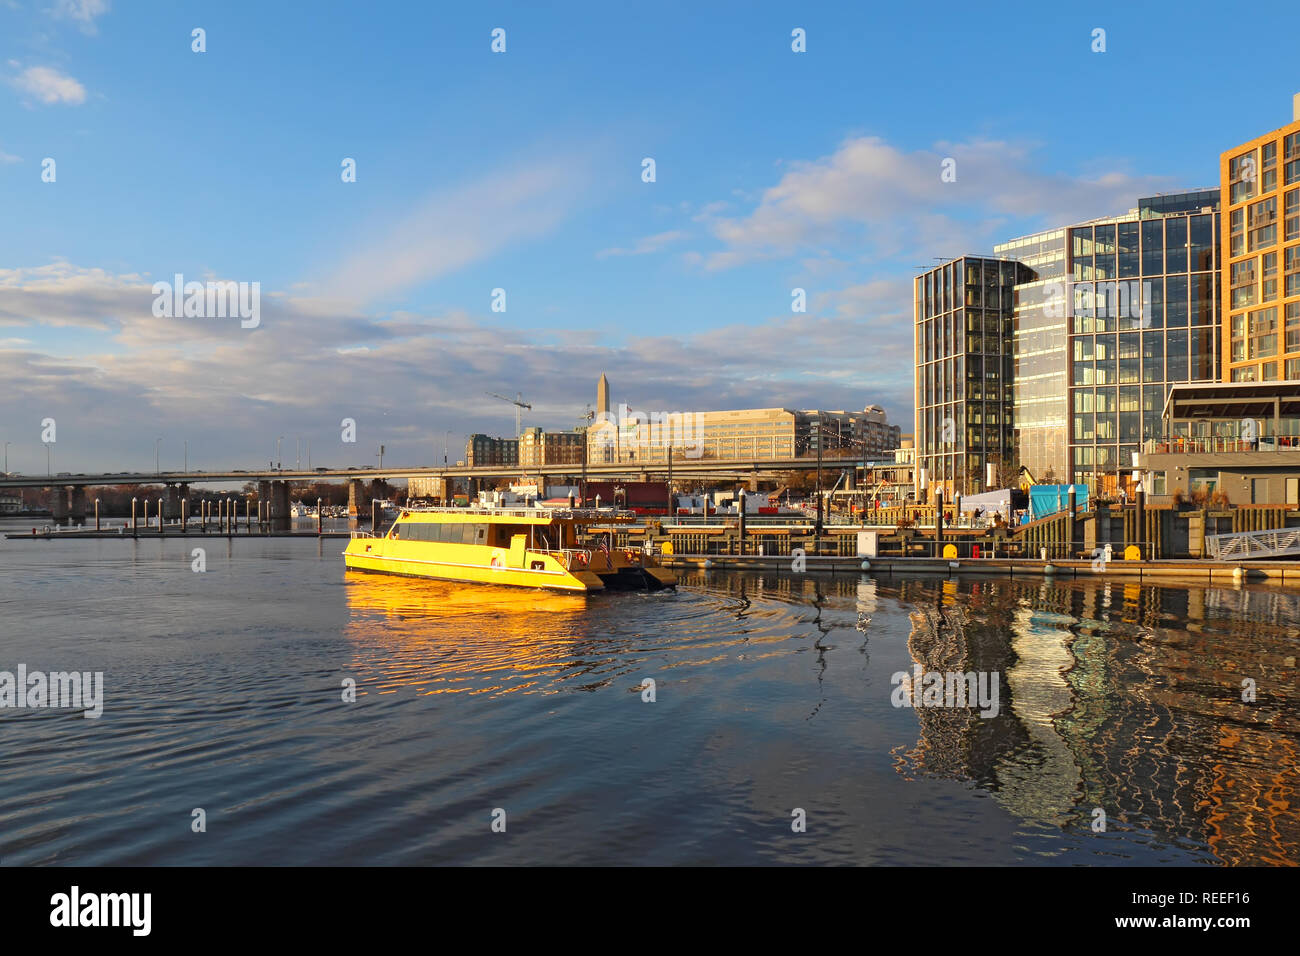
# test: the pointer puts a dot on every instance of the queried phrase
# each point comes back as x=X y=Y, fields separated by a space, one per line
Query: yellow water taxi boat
x=524 y=547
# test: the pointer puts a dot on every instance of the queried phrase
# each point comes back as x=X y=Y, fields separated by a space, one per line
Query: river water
x=1120 y=735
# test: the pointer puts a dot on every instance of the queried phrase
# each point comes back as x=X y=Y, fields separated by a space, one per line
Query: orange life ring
x=581 y=557
x=498 y=561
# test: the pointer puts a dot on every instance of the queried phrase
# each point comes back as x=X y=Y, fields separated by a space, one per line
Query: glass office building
x=1058 y=352
x=1040 y=370
x=1143 y=315
x=963 y=319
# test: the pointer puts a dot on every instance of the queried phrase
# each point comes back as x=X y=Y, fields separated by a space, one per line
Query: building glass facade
x=1040 y=371
x=1143 y=315
x=963 y=319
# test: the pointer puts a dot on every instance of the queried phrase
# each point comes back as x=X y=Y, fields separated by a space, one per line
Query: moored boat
x=521 y=547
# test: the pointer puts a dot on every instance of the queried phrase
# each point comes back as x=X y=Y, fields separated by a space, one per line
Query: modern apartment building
x=964 y=316
x=1260 y=182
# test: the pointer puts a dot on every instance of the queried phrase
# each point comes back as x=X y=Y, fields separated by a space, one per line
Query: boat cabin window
x=450 y=533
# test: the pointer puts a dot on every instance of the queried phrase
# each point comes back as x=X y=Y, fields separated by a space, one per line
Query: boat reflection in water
x=440 y=637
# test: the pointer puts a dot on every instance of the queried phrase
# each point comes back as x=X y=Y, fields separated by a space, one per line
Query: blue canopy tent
x=1047 y=500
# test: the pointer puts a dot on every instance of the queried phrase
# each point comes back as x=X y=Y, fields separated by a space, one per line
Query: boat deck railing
x=569 y=557
x=362 y=534
x=576 y=514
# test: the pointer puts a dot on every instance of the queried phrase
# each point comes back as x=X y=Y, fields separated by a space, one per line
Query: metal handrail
x=1244 y=545
x=592 y=514
x=1211 y=445
x=362 y=534
x=566 y=556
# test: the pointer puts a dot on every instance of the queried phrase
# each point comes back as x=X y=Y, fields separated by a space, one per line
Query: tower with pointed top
x=602 y=395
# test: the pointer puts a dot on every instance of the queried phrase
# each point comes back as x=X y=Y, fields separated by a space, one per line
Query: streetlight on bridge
x=277 y=453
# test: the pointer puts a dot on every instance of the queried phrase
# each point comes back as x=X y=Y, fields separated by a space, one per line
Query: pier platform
x=1219 y=572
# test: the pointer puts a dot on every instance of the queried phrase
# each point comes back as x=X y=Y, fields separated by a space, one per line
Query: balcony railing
x=1218 y=445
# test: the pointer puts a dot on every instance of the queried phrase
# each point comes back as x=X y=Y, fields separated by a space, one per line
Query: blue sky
x=522 y=171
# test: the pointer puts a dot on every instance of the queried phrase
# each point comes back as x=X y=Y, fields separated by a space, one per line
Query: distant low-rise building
x=539 y=448
x=483 y=451
x=628 y=434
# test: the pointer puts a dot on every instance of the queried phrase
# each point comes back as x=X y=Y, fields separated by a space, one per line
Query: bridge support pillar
x=173 y=504
x=753 y=482
x=354 y=495
x=279 y=515
x=77 y=513
x=59 y=504
x=379 y=490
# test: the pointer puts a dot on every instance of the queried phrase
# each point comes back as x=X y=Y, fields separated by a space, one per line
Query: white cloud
x=646 y=245
x=82 y=12
x=451 y=229
x=49 y=86
x=871 y=194
x=405 y=377
x=9 y=157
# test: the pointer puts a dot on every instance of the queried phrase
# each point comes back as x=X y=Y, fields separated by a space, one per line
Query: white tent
x=990 y=502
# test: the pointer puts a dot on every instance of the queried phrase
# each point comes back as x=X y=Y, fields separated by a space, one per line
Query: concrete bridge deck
x=741 y=469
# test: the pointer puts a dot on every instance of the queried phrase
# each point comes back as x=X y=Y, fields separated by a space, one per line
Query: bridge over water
x=273 y=483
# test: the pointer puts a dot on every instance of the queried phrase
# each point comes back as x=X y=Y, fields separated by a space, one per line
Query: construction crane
x=587 y=417
x=519 y=404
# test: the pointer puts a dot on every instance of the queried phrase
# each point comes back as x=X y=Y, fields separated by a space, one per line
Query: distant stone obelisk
x=607 y=433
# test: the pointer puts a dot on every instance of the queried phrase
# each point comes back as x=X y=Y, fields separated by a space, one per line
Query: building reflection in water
x=1116 y=695
x=1124 y=697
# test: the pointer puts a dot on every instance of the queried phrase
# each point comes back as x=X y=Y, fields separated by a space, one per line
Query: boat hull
x=465 y=573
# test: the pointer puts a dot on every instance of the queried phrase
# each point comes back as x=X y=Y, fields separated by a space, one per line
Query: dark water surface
x=223 y=690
